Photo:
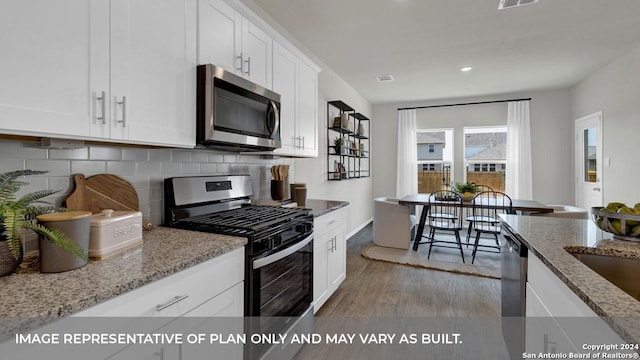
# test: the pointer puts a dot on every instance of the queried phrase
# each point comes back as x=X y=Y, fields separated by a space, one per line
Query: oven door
x=280 y=296
x=282 y=282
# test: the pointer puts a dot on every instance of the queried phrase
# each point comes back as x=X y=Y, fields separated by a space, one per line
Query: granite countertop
x=548 y=238
x=30 y=299
x=322 y=207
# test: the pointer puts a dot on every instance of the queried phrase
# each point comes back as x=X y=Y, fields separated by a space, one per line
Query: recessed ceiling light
x=505 y=4
x=466 y=68
x=384 y=78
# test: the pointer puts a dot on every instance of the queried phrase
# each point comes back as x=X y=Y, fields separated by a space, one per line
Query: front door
x=588 y=142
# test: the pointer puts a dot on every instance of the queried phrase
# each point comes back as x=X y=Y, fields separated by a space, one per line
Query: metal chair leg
x=475 y=247
x=460 y=245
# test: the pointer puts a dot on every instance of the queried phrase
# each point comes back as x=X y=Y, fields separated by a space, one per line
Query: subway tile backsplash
x=144 y=168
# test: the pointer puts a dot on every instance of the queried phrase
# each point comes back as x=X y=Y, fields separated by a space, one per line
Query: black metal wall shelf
x=348 y=143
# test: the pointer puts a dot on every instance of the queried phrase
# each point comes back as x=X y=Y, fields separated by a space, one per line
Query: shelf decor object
x=348 y=142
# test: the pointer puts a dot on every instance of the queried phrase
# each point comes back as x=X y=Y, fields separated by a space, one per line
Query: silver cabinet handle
x=596 y=189
x=302 y=147
x=160 y=354
x=248 y=61
x=176 y=299
x=331 y=222
x=241 y=68
x=103 y=105
x=123 y=103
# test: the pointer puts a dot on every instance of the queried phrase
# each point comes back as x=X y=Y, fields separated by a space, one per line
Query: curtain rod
x=463 y=104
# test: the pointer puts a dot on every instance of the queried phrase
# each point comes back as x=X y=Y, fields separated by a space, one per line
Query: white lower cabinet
x=329 y=255
x=558 y=321
x=194 y=296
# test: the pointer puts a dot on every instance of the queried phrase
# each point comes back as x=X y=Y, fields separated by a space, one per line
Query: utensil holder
x=277 y=189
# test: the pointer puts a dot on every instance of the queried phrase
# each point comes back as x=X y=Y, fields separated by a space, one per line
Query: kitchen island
x=548 y=239
x=30 y=299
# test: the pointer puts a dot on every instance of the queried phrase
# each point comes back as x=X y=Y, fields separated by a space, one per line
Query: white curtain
x=519 y=177
x=407 y=176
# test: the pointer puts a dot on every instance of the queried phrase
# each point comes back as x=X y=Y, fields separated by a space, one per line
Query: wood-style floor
x=381 y=297
x=382 y=289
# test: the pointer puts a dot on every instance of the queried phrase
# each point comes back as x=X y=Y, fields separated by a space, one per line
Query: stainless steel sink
x=622 y=272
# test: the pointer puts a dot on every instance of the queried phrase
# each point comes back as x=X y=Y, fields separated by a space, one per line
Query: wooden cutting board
x=104 y=191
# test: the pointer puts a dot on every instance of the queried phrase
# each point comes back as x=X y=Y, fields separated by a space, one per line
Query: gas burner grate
x=246 y=220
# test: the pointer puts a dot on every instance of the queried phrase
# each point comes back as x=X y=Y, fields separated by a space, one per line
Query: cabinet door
x=284 y=83
x=256 y=54
x=219 y=34
x=221 y=315
x=153 y=71
x=307 y=109
x=54 y=64
x=543 y=334
x=321 y=246
x=337 y=259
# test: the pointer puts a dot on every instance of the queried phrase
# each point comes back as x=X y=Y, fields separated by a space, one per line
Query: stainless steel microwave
x=235 y=114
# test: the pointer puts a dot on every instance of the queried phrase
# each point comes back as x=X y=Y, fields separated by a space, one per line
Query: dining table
x=413 y=200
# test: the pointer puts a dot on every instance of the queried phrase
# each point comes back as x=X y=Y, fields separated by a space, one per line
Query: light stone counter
x=29 y=299
x=547 y=238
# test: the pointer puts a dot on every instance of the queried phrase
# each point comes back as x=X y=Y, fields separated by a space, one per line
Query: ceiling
x=424 y=43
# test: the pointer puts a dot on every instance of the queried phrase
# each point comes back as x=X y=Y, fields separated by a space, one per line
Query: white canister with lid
x=114 y=231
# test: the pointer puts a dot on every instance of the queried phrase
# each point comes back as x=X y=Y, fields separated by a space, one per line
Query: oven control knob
x=303 y=228
x=277 y=241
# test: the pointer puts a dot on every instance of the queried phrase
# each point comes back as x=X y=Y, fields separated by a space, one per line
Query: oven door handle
x=258 y=263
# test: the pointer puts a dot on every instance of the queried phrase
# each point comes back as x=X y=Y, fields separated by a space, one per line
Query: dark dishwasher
x=513 y=293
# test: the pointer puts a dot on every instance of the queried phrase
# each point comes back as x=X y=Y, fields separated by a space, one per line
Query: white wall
x=615 y=90
x=550 y=137
x=358 y=192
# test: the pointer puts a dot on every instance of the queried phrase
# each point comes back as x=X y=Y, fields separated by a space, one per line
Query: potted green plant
x=337 y=144
x=18 y=213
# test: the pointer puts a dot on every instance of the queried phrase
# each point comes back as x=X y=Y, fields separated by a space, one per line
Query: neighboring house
x=430 y=148
x=486 y=151
x=430 y=145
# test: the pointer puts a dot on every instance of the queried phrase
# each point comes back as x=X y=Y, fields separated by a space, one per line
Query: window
x=485 y=156
x=435 y=159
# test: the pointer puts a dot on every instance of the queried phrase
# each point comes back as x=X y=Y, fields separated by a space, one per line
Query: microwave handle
x=273 y=118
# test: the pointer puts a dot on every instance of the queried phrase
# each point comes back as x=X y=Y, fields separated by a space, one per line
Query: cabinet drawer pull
x=103 y=101
x=248 y=61
x=176 y=299
x=124 y=111
x=241 y=68
x=331 y=222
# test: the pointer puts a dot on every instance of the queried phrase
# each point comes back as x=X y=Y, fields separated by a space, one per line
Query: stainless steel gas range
x=279 y=252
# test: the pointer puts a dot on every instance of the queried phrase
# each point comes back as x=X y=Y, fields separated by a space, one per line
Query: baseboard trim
x=355 y=231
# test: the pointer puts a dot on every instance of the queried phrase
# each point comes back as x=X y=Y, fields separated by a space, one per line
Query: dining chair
x=444 y=214
x=469 y=218
x=486 y=206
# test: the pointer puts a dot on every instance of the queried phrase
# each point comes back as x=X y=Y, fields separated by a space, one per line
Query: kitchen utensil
x=104 y=191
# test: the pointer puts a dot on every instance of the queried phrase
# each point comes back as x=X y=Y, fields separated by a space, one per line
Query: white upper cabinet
x=153 y=62
x=307 y=114
x=116 y=70
x=285 y=65
x=54 y=61
x=297 y=83
x=219 y=34
x=229 y=40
